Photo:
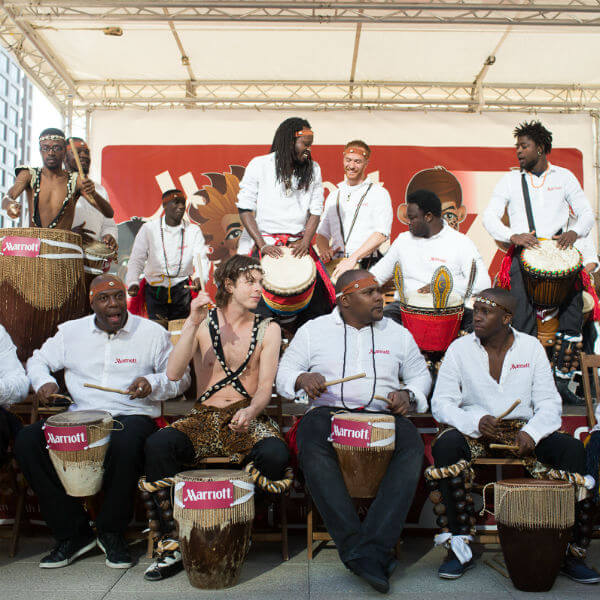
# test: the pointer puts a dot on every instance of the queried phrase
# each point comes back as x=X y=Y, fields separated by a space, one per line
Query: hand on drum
x=272 y=251
x=199 y=307
x=44 y=392
x=565 y=240
x=488 y=426
x=241 y=420
x=327 y=253
x=299 y=248
x=110 y=241
x=525 y=443
x=140 y=388
x=345 y=265
x=426 y=289
x=526 y=240
x=312 y=383
x=400 y=403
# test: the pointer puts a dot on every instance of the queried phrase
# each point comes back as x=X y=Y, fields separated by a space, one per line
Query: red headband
x=169 y=198
x=358 y=284
x=356 y=150
x=106 y=286
x=304 y=131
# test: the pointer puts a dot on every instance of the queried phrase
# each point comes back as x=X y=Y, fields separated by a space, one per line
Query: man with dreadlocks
x=539 y=198
x=51 y=191
x=235 y=353
x=357 y=338
x=280 y=203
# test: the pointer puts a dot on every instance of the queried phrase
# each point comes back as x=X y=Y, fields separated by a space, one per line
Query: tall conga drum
x=214 y=510
x=77 y=443
x=364 y=444
x=41 y=284
x=534 y=520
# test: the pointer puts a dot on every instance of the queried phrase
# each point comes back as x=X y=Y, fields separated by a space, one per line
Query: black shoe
x=578 y=571
x=452 y=568
x=65 y=552
x=391 y=567
x=169 y=563
x=116 y=549
x=372 y=572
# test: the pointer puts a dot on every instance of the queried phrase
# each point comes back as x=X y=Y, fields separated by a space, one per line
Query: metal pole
x=69 y=117
x=596 y=132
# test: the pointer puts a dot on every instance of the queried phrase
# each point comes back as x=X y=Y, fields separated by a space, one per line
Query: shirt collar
x=361 y=185
x=127 y=327
x=172 y=227
x=337 y=319
x=445 y=228
x=516 y=333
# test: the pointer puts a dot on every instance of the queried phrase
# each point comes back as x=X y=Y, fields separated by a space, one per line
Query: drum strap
x=527 y=199
x=337 y=208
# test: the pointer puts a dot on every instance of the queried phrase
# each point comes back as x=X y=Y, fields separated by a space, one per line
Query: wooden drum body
x=434 y=329
x=364 y=444
x=41 y=277
x=214 y=510
x=97 y=259
x=534 y=524
x=77 y=443
x=549 y=273
x=288 y=282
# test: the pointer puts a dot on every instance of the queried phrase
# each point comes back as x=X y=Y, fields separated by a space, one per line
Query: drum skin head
x=78 y=417
x=288 y=275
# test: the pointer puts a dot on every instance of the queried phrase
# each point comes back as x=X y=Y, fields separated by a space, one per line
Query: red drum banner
x=66 y=439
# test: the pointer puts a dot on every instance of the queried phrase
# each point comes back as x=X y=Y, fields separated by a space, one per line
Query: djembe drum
x=549 y=273
x=214 y=510
x=97 y=259
x=534 y=520
x=434 y=329
x=77 y=443
x=288 y=282
x=41 y=275
x=364 y=444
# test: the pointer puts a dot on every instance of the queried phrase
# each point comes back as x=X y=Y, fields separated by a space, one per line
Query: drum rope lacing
x=278 y=486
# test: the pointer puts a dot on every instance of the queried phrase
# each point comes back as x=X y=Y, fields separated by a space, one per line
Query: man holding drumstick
x=484 y=374
x=357 y=338
x=108 y=348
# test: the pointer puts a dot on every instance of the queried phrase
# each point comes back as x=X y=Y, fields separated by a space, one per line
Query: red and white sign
x=66 y=439
x=351 y=433
x=206 y=495
x=21 y=246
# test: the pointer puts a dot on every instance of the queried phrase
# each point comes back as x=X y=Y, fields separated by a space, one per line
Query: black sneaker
x=578 y=571
x=65 y=552
x=116 y=549
x=452 y=568
x=372 y=572
x=167 y=563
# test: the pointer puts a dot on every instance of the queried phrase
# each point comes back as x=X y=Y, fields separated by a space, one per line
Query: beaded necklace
x=36 y=184
x=162 y=239
x=537 y=187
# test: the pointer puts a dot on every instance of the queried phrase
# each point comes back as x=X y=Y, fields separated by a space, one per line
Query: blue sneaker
x=578 y=571
x=452 y=568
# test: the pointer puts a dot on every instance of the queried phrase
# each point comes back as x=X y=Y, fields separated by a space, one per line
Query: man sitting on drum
x=357 y=338
x=428 y=244
x=280 y=202
x=357 y=218
x=167 y=251
x=108 y=348
x=495 y=387
x=235 y=353
x=538 y=199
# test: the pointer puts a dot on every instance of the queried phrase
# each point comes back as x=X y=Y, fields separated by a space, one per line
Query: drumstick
x=508 y=411
x=80 y=169
x=60 y=396
x=106 y=389
x=344 y=379
x=503 y=447
x=383 y=398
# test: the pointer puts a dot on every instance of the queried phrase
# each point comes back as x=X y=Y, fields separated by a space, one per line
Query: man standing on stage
x=51 y=192
x=168 y=251
x=280 y=203
x=357 y=219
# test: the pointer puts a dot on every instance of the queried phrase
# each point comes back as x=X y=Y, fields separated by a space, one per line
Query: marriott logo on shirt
x=519 y=366
x=379 y=352
x=120 y=361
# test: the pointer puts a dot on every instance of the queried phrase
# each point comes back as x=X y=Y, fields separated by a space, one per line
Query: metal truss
x=432 y=12
x=336 y=95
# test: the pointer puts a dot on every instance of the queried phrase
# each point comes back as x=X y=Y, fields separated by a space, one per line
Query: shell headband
x=491 y=303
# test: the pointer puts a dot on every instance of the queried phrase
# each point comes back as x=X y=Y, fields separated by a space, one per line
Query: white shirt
x=90 y=355
x=551 y=195
x=94 y=220
x=148 y=253
x=14 y=383
x=276 y=212
x=419 y=257
x=318 y=347
x=375 y=215
x=465 y=391
x=587 y=246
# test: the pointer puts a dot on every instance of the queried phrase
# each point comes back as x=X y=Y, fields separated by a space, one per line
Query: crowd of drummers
x=474 y=353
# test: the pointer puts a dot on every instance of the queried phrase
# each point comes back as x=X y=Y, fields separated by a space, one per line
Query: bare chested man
x=235 y=354
x=52 y=192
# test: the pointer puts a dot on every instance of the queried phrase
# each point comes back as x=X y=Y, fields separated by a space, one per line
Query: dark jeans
x=377 y=535
x=169 y=451
x=123 y=466
x=158 y=306
x=9 y=427
x=392 y=311
x=558 y=450
x=570 y=316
